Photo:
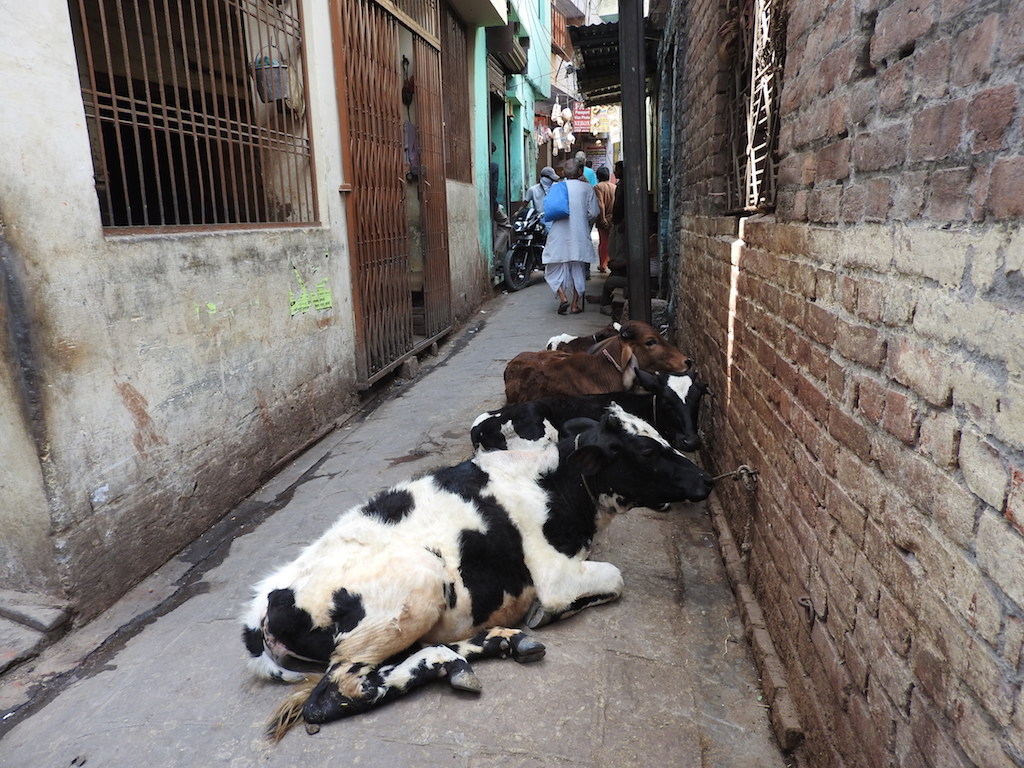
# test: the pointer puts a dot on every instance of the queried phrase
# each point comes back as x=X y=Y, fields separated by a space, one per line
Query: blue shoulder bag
x=556 y=203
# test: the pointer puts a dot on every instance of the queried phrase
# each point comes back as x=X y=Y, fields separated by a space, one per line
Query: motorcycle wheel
x=517 y=268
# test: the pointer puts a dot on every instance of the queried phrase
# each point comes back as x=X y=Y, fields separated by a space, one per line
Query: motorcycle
x=529 y=236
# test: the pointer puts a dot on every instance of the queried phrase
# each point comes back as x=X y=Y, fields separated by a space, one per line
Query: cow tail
x=290 y=710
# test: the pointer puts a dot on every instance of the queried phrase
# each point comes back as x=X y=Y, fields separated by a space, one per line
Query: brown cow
x=607 y=367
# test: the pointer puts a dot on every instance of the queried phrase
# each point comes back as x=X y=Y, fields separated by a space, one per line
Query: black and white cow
x=426 y=576
x=671 y=404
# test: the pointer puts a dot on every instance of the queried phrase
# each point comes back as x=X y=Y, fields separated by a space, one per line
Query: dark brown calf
x=609 y=366
x=532 y=375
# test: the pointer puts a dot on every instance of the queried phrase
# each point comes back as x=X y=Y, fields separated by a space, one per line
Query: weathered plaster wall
x=174 y=371
x=865 y=346
x=26 y=553
x=469 y=275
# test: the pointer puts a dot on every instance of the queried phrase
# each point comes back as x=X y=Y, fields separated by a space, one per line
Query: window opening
x=196 y=111
x=756 y=31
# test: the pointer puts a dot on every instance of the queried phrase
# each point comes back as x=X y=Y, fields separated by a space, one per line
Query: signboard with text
x=604 y=119
x=580 y=117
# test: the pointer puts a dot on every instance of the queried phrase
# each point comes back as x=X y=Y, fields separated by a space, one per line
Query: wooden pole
x=633 y=75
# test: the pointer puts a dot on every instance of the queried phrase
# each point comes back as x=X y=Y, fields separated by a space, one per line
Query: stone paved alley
x=663 y=677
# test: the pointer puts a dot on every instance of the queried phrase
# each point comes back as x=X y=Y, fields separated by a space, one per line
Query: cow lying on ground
x=426 y=576
x=609 y=366
x=670 y=404
x=569 y=343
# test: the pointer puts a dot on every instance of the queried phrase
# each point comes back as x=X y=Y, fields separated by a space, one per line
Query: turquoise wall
x=522 y=93
x=525 y=90
x=481 y=143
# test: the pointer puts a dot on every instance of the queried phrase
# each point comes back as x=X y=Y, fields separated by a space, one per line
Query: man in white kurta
x=569 y=248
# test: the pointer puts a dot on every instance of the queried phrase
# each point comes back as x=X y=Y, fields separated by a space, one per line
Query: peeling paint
x=211 y=308
x=99 y=496
x=319 y=298
x=145 y=431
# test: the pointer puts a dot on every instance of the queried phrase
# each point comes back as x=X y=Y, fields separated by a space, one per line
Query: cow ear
x=589 y=459
x=575 y=427
x=589 y=454
x=648 y=381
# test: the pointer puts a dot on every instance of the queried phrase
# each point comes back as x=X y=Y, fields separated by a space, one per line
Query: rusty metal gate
x=387 y=68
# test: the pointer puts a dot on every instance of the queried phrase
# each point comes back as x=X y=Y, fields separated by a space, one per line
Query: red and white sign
x=580 y=117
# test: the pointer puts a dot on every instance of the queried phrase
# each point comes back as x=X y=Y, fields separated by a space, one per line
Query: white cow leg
x=593 y=583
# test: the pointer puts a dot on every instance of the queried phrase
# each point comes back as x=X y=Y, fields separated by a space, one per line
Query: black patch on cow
x=529 y=422
x=574 y=525
x=253 y=639
x=294 y=628
x=348 y=610
x=487 y=434
x=450 y=598
x=492 y=563
x=580 y=603
x=389 y=506
x=465 y=480
x=359 y=669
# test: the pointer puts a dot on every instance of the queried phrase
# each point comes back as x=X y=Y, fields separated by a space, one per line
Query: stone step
x=28 y=623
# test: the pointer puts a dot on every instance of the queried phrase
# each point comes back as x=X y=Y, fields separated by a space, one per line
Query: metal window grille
x=400 y=268
x=455 y=76
x=419 y=15
x=756 y=29
x=196 y=111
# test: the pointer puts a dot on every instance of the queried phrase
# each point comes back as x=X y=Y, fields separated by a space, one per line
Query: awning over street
x=483 y=13
x=596 y=49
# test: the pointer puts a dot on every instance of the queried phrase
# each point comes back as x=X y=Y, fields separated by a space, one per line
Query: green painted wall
x=515 y=120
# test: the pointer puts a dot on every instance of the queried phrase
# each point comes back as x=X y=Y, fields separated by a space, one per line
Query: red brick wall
x=701 y=180
x=902 y=111
x=866 y=344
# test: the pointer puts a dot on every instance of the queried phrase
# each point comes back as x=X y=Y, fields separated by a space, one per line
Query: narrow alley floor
x=662 y=677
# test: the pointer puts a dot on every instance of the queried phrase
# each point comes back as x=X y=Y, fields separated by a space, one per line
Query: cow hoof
x=465 y=680
x=527 y=650
x=312 y=728
x=538 y=616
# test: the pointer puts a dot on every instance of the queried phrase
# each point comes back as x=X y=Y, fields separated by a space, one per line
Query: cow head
x=678 y=405
x=625 y=456
x=651 y=351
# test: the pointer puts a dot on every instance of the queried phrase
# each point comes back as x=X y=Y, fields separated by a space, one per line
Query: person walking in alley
x=535 y=195
x=586 y=171
x=617 y=220
x=605 y=192
x=569 y=249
